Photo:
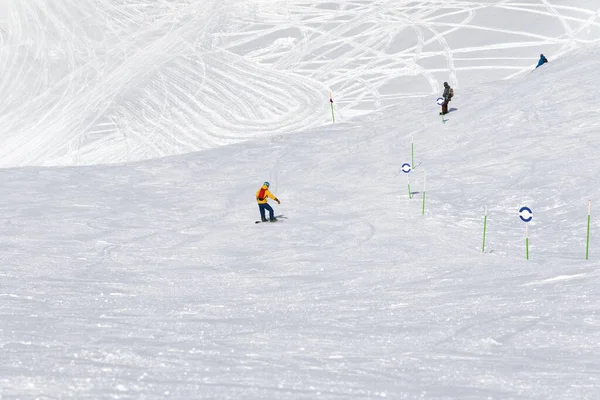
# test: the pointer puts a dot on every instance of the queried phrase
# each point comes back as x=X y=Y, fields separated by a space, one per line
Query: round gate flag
x=525 y=214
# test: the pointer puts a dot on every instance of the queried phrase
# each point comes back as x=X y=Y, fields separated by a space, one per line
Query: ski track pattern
x=93 y=82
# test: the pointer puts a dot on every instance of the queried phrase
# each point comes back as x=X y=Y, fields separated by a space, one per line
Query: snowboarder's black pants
x=445 y=107
x=267 y=207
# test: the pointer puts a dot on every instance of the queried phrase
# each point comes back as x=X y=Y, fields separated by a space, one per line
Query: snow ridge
x=92 y=82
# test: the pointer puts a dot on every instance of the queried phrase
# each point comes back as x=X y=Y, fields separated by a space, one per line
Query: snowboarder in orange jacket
x=262 y=197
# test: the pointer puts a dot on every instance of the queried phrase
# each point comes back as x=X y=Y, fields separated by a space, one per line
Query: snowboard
x=279 y=218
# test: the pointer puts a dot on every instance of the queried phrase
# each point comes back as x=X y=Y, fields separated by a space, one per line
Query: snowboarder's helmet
x=266 y=184
x=445 y=83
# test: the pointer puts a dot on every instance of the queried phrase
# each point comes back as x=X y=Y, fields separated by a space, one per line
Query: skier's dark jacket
x=446 y=94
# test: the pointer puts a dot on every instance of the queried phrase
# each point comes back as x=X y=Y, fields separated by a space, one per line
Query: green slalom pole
x=484 y=230
x=412 y=151
x=587 y=241
x=527 y=240
x=331 y=102
x=424 y=183
x=409 y=194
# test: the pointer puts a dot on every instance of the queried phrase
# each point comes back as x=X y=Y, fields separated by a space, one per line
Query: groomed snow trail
x=150 y=280
x=91 y=82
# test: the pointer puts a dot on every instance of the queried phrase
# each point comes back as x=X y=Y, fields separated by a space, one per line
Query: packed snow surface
x=150 y=280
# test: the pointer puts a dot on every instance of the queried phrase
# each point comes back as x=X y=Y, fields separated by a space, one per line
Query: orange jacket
x=267 y=194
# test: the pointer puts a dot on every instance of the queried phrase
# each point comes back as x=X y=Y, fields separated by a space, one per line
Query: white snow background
x=148 y=279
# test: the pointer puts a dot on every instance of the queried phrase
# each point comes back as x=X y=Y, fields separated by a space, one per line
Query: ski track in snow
x=91 y=82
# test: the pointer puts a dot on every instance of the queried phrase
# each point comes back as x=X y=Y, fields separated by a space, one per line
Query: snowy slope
x=150 y=279
x=91 y=82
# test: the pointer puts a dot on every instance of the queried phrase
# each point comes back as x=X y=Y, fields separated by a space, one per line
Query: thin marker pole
x=587 y=241
x=409 y=194
x=424 y=186
x=331 y=102
x=412 y=151
x=527 y=240
x=484 y=229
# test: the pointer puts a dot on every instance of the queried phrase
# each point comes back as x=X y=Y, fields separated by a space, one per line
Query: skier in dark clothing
x=543 y=60
x=448 y=94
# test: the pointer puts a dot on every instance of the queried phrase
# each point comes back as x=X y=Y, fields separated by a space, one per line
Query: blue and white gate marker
x=406 y=169
x=526 y=215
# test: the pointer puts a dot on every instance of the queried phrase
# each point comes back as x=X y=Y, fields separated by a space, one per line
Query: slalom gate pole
x=527 y=240
x=331 y=102
x=587 y=241
x=409 y=194
x=412 y=151
x=424 y=183
x=484 y=230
